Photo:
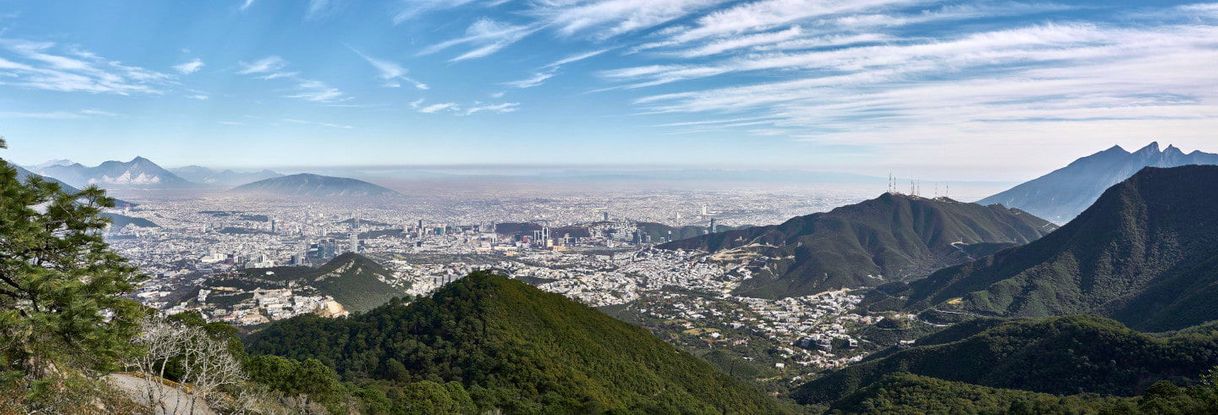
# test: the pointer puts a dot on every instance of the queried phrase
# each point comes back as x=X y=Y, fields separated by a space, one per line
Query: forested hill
x=1146 y=254
x=355 y=281
x=889 y=238
x=1062 y=355
x=515 y=348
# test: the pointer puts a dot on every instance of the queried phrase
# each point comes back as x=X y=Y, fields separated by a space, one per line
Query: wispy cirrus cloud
x=484 y=37
x=943 y=92
x=551 y=69
x=49 y=66
x=272 y=68
x=58 y=115
x=267 y=65
x=390 y=72
x=609 y=18
x=420 y=105
x=318 y=124
x=409 y=9
x=501 y=108
x=189 y=67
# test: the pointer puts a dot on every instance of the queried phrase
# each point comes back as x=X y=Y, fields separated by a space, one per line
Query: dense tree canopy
x=62 y=289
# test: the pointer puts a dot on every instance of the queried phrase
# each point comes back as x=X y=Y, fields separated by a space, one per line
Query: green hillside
x=353 y=280
x=904 y=393
x=515 y=348
x=1064 y=355
x=891 y=238
x=1146 y=254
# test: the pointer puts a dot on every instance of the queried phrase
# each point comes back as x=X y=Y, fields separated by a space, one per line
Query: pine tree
x=62 y=289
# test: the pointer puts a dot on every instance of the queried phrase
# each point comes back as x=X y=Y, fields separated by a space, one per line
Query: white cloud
x=318 y=91
x=535 y=80
x=390 y=72
x=550 y=70
x=501 y=108
x=445 y=106
x=47 y=66
x=246 y=5
x=944 y=97
x=318 y=124
x=57 y=115
x=187 y=68
x=485 y=36
x=318 y=9
x=267 y=65
x=609 y=18
x=271 y=68
x=410 y=9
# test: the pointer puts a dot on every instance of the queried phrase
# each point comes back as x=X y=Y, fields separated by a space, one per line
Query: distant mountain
x=227 y=178
x=893 y=237
x=1061 y=356
x=1146 y=254
x=23 y=175
x=355 y=281
x=516 y=350
x=1061 y=195
x=139 y=173
x=312 y=185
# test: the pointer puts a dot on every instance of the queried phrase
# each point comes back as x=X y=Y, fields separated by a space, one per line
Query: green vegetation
x=893 y=236
x=904 y=393
x=1146 y=254
x=1065 y=355
x=511 y=347
x=63 y=318
x=355 y=281
x=118 y=221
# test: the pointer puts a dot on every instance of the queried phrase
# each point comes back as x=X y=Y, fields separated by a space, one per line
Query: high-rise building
x=713 y=228
x=606 y=215
x=273 y=229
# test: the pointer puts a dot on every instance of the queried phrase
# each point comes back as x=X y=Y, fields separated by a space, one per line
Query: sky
x=985 y=90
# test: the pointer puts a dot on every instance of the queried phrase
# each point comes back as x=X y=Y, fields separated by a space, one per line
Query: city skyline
x=996 y=90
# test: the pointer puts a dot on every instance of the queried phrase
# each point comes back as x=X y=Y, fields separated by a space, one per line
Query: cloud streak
x=51 y=67
x=389 y=72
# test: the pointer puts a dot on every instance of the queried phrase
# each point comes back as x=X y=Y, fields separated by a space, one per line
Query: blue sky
x=992 y=90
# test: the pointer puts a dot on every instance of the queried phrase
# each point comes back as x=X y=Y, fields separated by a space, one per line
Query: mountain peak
x=1107 y=258
x=1063 y=193
x=1153 y=147
x=872 y=233
x=315 y=185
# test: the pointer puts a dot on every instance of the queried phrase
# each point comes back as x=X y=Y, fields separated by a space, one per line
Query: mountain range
x=312 y=185
x=890 y=238
x=1145 y=254
x=1060 y=356
x=227 y=178
x=515 y=349
x=1061 y=195
x=139 y=173
x=23 y=175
